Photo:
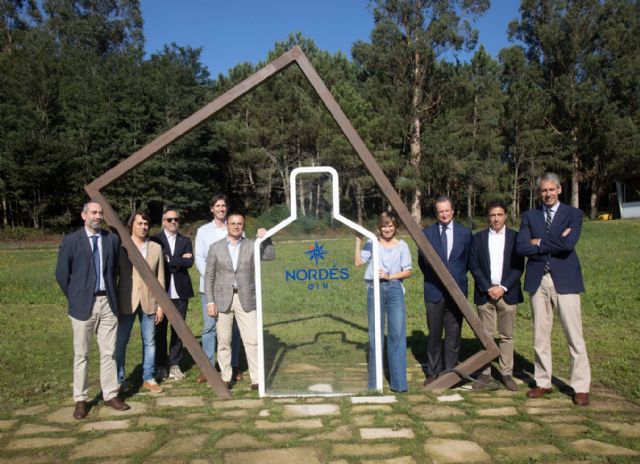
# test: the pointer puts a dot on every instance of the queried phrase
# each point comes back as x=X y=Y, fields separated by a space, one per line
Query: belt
x=100 y=293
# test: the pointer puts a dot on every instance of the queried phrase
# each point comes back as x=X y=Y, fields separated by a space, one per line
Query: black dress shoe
x=117 y=404
x=254 y=386
x=80 y=412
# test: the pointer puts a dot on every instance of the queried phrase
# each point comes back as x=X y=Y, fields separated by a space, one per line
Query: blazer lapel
x=434 y=237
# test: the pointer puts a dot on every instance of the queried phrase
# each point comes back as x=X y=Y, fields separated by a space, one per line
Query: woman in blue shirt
x=395 y=266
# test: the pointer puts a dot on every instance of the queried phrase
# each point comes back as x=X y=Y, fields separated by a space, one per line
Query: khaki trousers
x=543 y=302
x=248 y=331
x=104 y=324
x=503 y=315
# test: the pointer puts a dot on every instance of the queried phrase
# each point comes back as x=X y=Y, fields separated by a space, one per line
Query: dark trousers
x=443 y=315
x=175 y=345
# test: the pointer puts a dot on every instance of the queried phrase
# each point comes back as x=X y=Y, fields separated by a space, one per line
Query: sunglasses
x=170 y=220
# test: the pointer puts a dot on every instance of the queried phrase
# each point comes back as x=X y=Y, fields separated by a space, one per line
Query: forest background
x=78 y=95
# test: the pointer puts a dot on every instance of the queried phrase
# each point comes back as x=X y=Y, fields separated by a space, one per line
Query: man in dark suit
x=178 y=256
x=496 y=270
x=452 y=242
x=548 y=237
x=85 y=271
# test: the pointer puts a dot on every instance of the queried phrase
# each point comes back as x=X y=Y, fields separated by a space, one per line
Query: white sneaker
x=175 y=373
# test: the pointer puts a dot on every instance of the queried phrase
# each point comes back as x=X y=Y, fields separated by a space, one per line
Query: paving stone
x=300 y=367
x=219 y=425
x=560 y=419
x=623 y=429
x=284 y=400
x=33 y=429
x=183 y=391
x=7 y=424
x=481 y=422
x=444 y=450
x=385 y=433
x=508 y=393
x=38 y=442
x=239 y=404
x=235 y=413
x=371 y=407
x=274 y=456
x=399 y=419
x=548 y=402
x=416 y=398
x=152 y=421
x=492 y=400
x=367 y=419
x=444 y=428
x=529 y=426
x=305 y=410
x=498 y=412
x=31 y=410
x=238 y=441
x=320 y=388
x=368 y=449
x=293 y=424
x=105 y=425
x=546 y=411
x=609 y=405
x=342 y=432
x=569 y=430
x=65 y=415
x=137 y=408
x=450 y=398
x=264 y=413
x=488 y=435
x=120 y=444
x=399 y=460
x=531 y=452
x=433 y=411
x=180 y=402
x=185 y=444
x=30 y=459
x=196 y=416
x=373 y=399
x=600 y=448
x=339 y=461
x=284 y=436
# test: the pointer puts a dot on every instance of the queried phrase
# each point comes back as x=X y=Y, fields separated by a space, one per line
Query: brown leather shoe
x=581 y=399
x=254 y=386
x=117 y=404
x=237 y=375
x=201 y=378
x=538 y=392
x=429 y=379
x=80 y=412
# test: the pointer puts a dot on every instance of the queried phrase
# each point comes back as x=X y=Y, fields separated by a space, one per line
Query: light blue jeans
x=209 y=336
x=393 y=310
x=147 y=332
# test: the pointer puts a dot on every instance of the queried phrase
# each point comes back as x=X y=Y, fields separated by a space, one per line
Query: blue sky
x=236 y=31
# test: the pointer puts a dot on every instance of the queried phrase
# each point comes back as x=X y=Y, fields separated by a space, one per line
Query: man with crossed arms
x=548 y=237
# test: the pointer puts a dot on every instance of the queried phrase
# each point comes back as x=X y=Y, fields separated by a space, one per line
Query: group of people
x=106 y=294
x=495 y=257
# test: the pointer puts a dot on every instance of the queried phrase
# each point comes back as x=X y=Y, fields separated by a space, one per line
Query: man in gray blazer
x=229 y=285
x=87 y=263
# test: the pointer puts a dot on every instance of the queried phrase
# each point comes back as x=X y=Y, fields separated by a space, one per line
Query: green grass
x=322 y=325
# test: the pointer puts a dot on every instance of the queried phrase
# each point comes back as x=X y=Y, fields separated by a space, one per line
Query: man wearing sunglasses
x=178 y=255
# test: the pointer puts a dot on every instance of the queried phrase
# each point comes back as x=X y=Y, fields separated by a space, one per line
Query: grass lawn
x=35 y=333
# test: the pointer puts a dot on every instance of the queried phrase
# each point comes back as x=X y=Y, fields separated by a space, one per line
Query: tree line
x=78 y=95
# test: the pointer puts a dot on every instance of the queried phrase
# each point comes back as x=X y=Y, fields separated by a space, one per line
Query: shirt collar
x=237 y=243
x=500 y=232
x=91 y=233
x=169 y=234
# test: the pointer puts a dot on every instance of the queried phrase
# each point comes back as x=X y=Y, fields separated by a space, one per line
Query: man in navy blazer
x=452 y=242
x=178 y=255
x=496 y=270
x=85 y=271
x=548 y=237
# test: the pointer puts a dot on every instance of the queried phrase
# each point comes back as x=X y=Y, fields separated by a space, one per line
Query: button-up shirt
x=449 y=233
x=90 y=236
x=171 y=239
x=496 y=253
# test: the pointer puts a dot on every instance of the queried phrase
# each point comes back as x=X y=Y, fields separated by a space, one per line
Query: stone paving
x=188 y=424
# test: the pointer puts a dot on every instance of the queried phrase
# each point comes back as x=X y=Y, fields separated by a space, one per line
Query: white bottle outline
x=335 y=212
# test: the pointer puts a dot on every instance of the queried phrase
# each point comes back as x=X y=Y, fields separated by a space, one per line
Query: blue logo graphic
x=316 y=252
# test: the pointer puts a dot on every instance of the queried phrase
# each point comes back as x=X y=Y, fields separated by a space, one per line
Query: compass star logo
x=316 y=252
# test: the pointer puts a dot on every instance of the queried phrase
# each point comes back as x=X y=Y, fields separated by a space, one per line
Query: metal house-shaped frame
x=296 y=56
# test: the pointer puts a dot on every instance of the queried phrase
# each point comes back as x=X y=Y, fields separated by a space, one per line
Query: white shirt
x=496 y=253
x=449 y=233
x=90 y=234
x=205 y=237
x=171 y=238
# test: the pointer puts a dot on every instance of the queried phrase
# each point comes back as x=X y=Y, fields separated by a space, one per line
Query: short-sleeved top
x=392 y=260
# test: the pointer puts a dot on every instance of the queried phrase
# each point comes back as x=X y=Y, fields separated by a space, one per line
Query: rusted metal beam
x=161 y=296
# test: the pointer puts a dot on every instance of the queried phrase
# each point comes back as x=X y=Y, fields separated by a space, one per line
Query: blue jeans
x=147 y=332
x=392 y=308
x=209 y=336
